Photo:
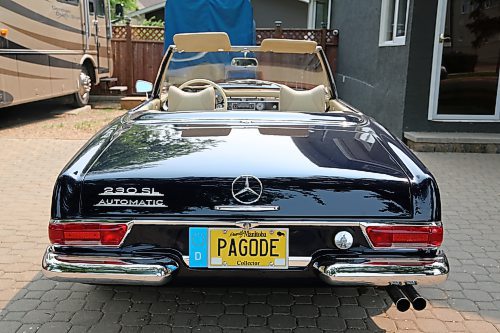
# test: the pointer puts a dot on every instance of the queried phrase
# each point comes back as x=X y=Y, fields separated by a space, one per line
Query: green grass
x=85 y=125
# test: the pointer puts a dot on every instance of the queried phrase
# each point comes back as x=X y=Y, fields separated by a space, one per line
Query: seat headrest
x=179 y=100
x=313 y=100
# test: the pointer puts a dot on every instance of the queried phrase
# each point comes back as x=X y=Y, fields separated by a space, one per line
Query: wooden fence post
x=278 y=30
x=323 y=36
x=129 y=59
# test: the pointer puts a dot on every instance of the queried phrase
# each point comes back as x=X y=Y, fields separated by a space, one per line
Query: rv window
x=71 y=2
x=101 y=10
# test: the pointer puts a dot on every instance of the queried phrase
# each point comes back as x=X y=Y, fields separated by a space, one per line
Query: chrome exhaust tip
x=418 y=302
x=402 y=303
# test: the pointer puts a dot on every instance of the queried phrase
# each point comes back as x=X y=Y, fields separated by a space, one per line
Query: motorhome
x=52 y=48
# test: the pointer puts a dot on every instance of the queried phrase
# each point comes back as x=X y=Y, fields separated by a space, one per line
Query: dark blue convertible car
x=244 y=163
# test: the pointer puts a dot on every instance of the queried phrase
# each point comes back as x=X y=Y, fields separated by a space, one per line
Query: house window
x=394 y=22
x=97 y=7
x=101 y=9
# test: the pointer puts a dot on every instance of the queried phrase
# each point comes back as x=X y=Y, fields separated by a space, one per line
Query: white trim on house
x=437 y=57
x=329 y=26
x=385 y=17
x=436 y=78
x=311 y=14
x=497 y=110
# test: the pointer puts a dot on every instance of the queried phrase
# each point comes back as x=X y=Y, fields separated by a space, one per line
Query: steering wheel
x=194 y=82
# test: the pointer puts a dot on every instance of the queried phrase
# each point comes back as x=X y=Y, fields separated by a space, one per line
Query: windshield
x=298 y=71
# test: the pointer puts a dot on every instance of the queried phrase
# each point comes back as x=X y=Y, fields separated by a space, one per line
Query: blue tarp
x=235 y=17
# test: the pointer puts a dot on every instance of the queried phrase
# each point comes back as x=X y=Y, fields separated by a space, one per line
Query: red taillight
x=87 y=233
x=402 y=236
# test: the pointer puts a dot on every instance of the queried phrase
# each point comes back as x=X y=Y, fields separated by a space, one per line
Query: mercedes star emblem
x=247 y=189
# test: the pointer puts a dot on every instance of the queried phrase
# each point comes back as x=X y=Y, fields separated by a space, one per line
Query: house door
x=465 y=79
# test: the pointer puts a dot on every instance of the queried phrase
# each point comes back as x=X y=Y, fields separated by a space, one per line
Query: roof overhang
x=147 y=10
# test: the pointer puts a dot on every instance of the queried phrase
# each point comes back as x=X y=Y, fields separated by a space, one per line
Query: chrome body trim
x=293 y=262
x=86 y=269
x=217 y=223
x=384 y=271
x=242 y=208
x=332 y=270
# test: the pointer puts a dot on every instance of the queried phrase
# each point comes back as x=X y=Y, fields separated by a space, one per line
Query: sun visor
x=203 y=42
x=288 y=46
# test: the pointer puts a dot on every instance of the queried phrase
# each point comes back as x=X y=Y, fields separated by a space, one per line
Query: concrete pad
x=75 y=112
x=128 y=103
x=459 y=137
x=70 y=111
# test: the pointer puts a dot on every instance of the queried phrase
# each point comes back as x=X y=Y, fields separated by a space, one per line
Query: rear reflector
x=87 y=233
x=403 y=236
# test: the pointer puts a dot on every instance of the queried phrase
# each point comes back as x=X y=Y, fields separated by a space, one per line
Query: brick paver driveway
x=469 y=301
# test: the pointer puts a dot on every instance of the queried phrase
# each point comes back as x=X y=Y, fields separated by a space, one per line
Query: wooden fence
x=138 y=50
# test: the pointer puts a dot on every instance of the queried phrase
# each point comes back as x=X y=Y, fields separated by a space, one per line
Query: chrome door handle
x=443 y=38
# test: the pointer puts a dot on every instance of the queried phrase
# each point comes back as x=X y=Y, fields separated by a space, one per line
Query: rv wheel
x=82 y=96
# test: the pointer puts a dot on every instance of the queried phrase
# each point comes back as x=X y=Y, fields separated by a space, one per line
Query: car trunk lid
x=154 y=170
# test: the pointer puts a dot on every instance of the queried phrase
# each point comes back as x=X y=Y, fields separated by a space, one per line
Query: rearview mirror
x=143 y=86
x=244 y=62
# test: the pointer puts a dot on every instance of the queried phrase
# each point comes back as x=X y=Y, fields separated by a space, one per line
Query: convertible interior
x=221 y=94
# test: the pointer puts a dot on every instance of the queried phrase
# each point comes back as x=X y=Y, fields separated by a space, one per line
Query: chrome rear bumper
x=383 y=271
x=332 y=270
x=61 y=267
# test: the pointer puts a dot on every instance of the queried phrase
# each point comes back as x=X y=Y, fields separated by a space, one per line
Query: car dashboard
x=253 y=104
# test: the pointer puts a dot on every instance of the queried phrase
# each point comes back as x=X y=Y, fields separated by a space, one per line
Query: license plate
x=237 y=248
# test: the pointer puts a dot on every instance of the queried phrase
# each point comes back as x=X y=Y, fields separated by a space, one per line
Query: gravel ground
x=53 y=120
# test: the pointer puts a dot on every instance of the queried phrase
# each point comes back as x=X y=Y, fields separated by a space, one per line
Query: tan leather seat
x=179 y=100
x=313 y=100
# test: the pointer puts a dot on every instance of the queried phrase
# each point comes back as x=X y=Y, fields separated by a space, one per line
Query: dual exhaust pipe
x=406 y=295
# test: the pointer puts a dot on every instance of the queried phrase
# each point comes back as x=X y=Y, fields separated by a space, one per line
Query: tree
x=153 y=22
x=128 y=5
x=482 y=26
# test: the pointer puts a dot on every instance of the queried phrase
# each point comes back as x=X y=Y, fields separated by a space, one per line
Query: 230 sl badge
x=121 y=192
